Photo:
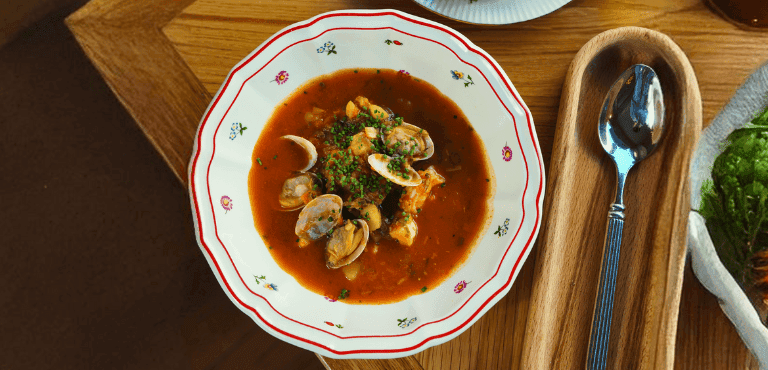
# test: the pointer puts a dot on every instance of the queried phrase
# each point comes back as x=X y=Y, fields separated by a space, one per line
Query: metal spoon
x=630 y=127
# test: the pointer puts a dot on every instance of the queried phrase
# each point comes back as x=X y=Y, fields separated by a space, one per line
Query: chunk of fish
x=404 y=230
x=414 y=197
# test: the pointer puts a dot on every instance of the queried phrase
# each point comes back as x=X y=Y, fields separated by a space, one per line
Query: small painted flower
x=502 y=230
x=403 y=72
x=460 y=286
x=329 y=299
x=235 y=126
x=328 y=48
x=232 y=135
x=281 y=77
x=456 y=75
x=329 y=323
x=271 y=286
x=404 y=323
x=226 y=202
x=506 y=153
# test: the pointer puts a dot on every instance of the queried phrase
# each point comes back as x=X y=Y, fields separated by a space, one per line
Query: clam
x=379 y=163
x=346 y=243
x=319 y=217
x=409 y=140
x=299 y=189
x=308 y=146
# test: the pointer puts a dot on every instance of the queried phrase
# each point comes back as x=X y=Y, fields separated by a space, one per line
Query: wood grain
x=124 y=41
x=165 y=61
x=582 y=181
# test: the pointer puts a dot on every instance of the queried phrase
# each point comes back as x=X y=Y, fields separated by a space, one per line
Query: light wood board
x=580 y=189
x=164 y=59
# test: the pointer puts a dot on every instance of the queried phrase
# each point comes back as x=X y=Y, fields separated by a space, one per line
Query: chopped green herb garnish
x=275 y=157
x=424 y=289
x=344 y=294
x=259 y=160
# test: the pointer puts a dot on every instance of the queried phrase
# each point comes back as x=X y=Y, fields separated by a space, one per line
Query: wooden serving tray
x=580 y=188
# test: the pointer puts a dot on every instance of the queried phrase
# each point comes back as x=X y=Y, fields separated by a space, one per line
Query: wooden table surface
x=165 y=59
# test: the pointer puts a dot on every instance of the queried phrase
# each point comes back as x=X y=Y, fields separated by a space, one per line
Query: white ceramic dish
x=492 y=11
x=748 y=100
x=222 y=158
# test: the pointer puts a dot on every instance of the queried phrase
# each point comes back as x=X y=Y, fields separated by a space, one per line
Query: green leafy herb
x=734 y=201
x=344 y=294
x=424 y=289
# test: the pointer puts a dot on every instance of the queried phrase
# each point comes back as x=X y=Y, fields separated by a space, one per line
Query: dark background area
x=100 y=266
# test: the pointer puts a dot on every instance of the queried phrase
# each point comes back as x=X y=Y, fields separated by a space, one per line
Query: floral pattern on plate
x=502 y=230
x=328 y=48
x=460 y=287
x=506 y=153
x=460 y=76
x=404 y=323
x=332 y=324
x=262 y=278
x=281 y=78
x=226 y=203
x=237 y=128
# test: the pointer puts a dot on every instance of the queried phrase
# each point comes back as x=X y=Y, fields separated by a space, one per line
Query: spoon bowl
x=631 y=122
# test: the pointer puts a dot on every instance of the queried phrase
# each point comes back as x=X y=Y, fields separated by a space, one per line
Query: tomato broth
x=450 y=222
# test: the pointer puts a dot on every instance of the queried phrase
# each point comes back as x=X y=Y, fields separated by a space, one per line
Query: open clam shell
x=298 y=190
x=308 y=147
x=319 y=217
x=346 y=243
x=379 y=164
x=408 y=136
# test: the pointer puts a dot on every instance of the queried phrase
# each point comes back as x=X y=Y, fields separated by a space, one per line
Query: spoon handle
x=601 y=319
